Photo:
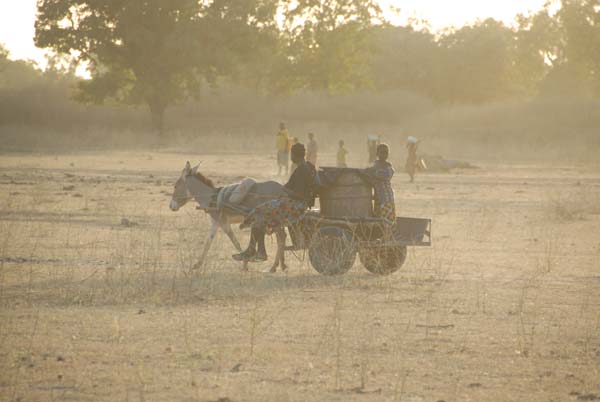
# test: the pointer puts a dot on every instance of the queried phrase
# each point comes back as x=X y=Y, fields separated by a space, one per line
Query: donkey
x=193 y=184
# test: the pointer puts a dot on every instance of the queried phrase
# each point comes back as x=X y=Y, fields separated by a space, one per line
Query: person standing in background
x=282 y=146
x=341 y=155
x=381 y=173
x=312 y=149
x=412 y=144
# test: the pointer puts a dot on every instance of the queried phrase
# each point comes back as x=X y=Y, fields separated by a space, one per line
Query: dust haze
x=101 y=294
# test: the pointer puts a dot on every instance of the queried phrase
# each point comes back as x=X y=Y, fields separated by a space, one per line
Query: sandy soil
x=504 y=307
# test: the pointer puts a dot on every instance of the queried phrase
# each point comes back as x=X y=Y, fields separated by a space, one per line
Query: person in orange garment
x=412 y=143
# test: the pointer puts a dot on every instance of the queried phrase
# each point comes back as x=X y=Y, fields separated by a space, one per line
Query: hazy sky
x=17 y=17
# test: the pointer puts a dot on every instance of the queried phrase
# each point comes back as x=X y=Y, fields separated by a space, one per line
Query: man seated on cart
x=273 y=216
x=381 y=175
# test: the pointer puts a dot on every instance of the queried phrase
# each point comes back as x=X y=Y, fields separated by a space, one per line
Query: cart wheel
x=332 y=251
x=383 y=260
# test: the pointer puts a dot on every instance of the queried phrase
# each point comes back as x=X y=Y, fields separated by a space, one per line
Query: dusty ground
x=504 y=307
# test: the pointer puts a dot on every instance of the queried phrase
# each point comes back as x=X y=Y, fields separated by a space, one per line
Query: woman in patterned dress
x=381 y=173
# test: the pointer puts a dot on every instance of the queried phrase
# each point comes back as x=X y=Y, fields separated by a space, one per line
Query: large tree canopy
x=152 y=51
x=475 y=63
x=159 y=52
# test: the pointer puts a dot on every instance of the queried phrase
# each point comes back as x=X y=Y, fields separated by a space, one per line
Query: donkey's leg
x=273 y=267
x=226 y=226
x=227 y=229
x=211 y=236
x=280 y=256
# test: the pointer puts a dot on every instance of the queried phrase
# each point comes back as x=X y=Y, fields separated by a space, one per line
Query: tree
x=578 y=54
x=17 y=73
x=245 y=40
x=328 y=44
x=537 y=36
x=3 y=56
x=151 y=51
x=483 y=62
x=406 y=59
x=477 y=63
x=568 y=41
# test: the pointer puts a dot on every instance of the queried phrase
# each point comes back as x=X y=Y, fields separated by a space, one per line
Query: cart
x=333 y=243
x=345 y=226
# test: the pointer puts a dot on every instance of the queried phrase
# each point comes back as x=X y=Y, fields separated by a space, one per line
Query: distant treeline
x=535 y=83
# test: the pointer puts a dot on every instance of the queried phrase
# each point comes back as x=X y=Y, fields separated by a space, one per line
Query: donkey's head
x=181 y=194
x=191 y=184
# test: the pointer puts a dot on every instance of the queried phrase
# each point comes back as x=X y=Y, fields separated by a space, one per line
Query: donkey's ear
x=195 y=168
x=186 y=170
